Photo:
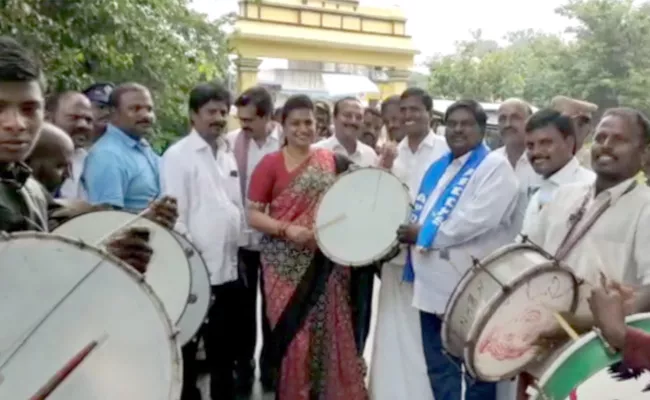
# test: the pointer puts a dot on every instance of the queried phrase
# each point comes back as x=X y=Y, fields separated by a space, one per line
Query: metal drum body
x=371 y=204
x=500 y=307
x=200 y=293
x=584 y=365
x=168 y=272
x=139 y=358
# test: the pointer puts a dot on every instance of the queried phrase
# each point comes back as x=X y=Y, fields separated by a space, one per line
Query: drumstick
x=46 y=390
x=123 y=226
x=331 y=222
x=565 y=326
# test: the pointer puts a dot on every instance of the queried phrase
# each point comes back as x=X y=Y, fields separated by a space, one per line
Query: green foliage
x=159 y=43
x=607 y=60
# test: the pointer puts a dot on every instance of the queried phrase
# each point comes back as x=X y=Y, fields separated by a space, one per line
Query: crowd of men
x=93 y=151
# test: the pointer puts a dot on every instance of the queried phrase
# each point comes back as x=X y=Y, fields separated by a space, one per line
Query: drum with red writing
x=501 y=306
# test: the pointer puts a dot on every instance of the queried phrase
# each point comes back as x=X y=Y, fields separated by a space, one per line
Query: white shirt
x=572 y=172
x=72 y=187
x=410 y=167
x=529 y=180
x=483 y=220
x=210 y=209
x=250 y=238
x=364 y=156
x=616 y=243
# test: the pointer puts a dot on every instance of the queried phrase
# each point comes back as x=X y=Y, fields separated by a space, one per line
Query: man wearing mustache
x=601 y=229
x=72 y=112
x=512 y=116
x=200 y=171
x=121 y=168
x=550 y=140
x=258 y=136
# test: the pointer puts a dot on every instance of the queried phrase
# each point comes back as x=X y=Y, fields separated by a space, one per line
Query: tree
x=607 y=62
x=159 y=43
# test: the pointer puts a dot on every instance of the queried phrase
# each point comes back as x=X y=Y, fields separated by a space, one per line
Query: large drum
x=200 y=293
x=168 y=272
x=500 y=307
x=59 y=295
x=585 y=370
x=357 y=219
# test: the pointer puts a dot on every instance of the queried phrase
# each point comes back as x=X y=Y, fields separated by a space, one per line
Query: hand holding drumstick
x=163 y=211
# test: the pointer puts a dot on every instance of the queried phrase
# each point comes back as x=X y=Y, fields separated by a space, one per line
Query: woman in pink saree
x=320 y=360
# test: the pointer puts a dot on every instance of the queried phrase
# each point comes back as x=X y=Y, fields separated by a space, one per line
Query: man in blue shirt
x=122 y=169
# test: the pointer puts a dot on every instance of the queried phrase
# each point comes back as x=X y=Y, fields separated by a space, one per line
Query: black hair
x=97 y=85
x=296 y=102
x=339 y=102
x=204 y=93
x=116 y=95
x=549 y=117
x=634 y=117
x=474 y=107
x=372 y=111
x=258 y=97
x=53 y=100
x=424 y=97
x=17 y=64
x=390 y=101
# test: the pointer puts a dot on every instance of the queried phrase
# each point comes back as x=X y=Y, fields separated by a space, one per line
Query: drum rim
x=641 y=320
x=207 y=274
x=175 y=350
x=495 y=303
x=452 y=303
x=153 y=222
x=385 y=252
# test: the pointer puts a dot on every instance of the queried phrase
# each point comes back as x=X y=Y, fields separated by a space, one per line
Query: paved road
x=257 y=391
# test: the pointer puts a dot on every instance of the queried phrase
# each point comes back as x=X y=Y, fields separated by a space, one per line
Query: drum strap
x=309 y=290
x=574 y=235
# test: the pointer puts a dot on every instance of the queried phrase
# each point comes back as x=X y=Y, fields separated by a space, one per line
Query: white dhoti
x=397 y=367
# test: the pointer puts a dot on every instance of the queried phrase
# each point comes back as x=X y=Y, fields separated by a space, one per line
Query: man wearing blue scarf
x=466 y=207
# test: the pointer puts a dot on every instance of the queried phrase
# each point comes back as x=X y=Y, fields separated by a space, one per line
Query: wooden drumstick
x=331 y=222
x=122 y=227
x=46 y=390
x=565 y=326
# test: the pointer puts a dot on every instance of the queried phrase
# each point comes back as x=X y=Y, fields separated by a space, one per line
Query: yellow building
x=323 y=38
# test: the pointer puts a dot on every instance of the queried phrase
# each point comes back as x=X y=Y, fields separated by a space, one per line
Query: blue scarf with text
x=446 y=201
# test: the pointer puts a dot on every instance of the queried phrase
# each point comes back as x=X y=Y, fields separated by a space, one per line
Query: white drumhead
x=368 y=205
x=200 y=293
x=168 y=272
x=503 y=343
x=139 y=359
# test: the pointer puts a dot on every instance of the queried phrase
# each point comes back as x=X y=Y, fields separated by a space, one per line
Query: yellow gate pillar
x=247 y=69
x=397 y=83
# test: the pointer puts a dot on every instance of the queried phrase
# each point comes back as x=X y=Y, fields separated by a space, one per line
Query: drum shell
x=69 y=325
x=482 y=290
x=361 y=196
x=579 y=361
x=168 y=272
x=200 y=298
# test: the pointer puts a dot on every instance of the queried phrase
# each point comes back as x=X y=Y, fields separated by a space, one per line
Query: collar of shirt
x=429 y=141
x=565 y=174
x=613 y=193
x=199 y=144
x=128 y=140
x=337 y=145
x=521 y=162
